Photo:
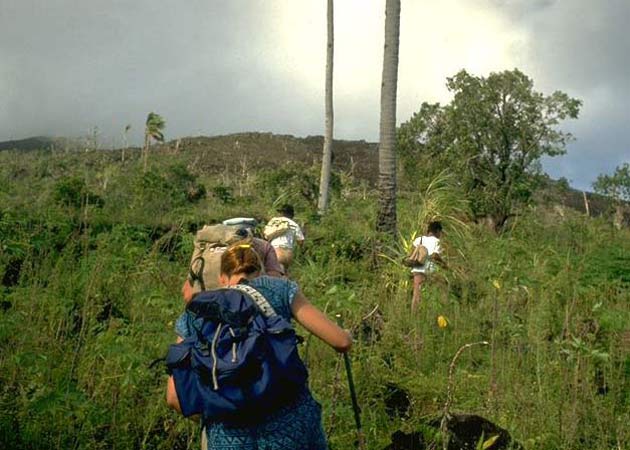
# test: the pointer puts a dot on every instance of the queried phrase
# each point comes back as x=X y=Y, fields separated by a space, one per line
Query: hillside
x=360 y=158
x=93 y=251
x=265 y=150
x=32 y=143
x=260 y=151
x=41 y=143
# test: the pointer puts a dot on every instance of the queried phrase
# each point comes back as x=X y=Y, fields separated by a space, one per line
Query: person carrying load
x=210 y=243
x=427 y=249
x=236 y=364
x=284 y=233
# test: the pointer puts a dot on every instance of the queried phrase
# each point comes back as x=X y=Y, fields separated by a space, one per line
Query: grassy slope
x=89 y=295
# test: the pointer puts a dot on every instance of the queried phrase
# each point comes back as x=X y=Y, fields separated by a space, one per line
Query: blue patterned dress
x=297 y=426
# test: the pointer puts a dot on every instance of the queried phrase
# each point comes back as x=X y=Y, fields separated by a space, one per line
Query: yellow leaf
x=490 y=442
x=442 y=322
x=496 y=284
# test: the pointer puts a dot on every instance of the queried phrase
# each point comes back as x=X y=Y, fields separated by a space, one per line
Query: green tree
x=617 y=187
x=492 y=135
x=324 y=182
x=386 y=218
x=153 y=130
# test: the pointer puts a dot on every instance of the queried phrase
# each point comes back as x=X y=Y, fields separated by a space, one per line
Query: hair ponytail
x=240 y=257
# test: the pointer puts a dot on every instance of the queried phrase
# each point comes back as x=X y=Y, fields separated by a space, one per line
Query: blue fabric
x=278 y=291
x=297 y=426
x=239 y=362
x=294 y=427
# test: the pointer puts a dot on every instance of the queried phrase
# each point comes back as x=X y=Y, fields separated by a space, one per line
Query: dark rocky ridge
x=261 y=150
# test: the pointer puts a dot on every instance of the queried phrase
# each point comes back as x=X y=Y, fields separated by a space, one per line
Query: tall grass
x=92 y=306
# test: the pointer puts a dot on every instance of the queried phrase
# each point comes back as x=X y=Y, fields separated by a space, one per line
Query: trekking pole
x=353 y=396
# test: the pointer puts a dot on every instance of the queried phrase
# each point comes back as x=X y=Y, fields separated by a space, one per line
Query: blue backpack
x=243 y=361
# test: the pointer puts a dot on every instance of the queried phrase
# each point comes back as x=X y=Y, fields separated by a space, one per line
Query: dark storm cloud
x=212 y=67
x=74 y=64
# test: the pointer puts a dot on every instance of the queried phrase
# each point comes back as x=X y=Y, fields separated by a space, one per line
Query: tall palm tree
x=125 y=142
x=153 y=130
x=386 y=219
x=324 y=181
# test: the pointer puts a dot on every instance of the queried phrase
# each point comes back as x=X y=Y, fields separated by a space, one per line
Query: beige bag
x=210 y=243
x=275 y=227
x=417 y=257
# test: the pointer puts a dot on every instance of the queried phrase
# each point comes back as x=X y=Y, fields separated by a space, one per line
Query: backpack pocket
x=178 y=355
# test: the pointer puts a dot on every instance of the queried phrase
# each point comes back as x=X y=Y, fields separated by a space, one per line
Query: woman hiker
x=296 y=425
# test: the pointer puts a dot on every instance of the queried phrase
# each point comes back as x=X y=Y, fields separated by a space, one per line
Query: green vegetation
x=617 y=188
x=93 y=252
x=492 y=135
x=616 y=185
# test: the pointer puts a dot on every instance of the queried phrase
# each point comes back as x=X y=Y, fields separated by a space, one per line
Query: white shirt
x=433 y=246
x=288 y=239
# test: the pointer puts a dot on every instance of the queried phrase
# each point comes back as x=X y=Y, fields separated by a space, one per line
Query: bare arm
x=299 y=237
x=187 y=292
x=321 y=326
x=171 y=395
x=437 y=258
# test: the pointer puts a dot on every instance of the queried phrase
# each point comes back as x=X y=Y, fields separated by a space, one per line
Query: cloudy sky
x=214 y=67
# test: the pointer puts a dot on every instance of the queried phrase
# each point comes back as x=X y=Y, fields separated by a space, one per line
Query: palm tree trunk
x=145 y=152
x=324 y=182
x=125 y=145
x=386 y=219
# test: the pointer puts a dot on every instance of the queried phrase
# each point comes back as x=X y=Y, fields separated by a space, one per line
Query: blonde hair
x=240 y=257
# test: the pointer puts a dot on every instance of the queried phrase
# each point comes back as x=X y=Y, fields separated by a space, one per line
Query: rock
x=465 y=433
x=407 y=441
x=397 y=401
x=466 y=430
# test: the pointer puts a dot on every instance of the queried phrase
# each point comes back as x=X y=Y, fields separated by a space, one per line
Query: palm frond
x=154 y=126
x=444 y=201
x=157 y=136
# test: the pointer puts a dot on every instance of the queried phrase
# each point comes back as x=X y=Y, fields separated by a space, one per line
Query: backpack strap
x=198 y=276
x=262 y=303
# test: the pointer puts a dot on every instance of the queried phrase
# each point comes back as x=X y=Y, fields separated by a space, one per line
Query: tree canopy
x=154 y=127
x=492 y=135
x=615 y=186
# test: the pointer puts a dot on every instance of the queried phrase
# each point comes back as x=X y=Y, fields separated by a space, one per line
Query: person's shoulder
x=265 y=281
x=276 y=287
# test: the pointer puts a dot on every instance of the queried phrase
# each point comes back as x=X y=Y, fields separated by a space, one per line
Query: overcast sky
x=214 y=67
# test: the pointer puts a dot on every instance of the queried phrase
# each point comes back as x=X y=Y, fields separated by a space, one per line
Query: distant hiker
x=284 y=233
x=431 y=241
x=215 y=387
x=210 y=243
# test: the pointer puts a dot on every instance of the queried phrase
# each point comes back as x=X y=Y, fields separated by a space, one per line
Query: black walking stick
x=353 y=396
